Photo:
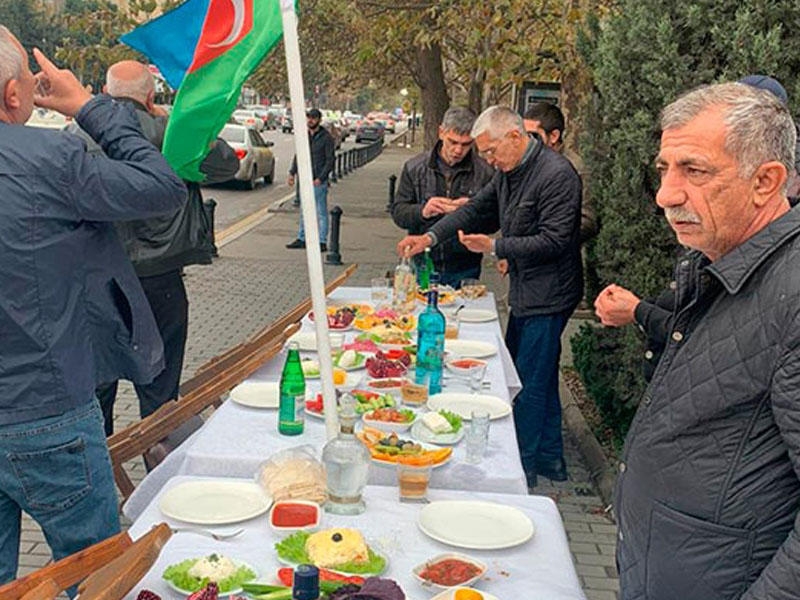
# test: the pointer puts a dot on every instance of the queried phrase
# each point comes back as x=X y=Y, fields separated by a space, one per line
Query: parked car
x=354 y=121
x=47 y=119
x=287 y=125
x=370 y=131
x=264 y=114
x=255 y=157
x=248 y=118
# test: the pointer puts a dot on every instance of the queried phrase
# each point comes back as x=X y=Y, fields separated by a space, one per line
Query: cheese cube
x=436 y=423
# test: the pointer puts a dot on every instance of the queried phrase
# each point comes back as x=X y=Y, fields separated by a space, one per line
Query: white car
x=249 y=118
x=255 y=157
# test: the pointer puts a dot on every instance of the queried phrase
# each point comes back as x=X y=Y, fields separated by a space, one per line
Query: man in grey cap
x=323 y=154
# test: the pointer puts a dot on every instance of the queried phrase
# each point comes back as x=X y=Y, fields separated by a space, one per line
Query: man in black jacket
x=323 y=155
x=436 y=183
x=535 y=200
x=160 y=247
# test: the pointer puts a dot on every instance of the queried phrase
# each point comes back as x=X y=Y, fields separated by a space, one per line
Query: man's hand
x=475 y=242
x=502 y=266
x=290 y=181
x=58 y=89
x=615 y=306
x=413 y=244
x=317 y=182
x=436 y=205
x=459 y=202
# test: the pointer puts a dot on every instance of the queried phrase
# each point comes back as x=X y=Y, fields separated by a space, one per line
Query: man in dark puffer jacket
x=436 y=183
x=708 y=493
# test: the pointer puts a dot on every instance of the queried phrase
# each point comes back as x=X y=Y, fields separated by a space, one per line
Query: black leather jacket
x=151 y=244
x=421 y=179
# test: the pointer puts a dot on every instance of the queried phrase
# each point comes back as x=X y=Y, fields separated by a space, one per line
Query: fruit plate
x=291 y=552
x=420 y=432
x=186 y=591
x=425 y=446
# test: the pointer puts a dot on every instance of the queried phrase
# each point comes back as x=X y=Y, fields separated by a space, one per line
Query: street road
x=235 y=203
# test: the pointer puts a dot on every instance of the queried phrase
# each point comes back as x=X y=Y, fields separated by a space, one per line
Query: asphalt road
x=235 y=203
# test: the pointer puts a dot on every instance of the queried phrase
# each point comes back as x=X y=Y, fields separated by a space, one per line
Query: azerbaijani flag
x=205 y=49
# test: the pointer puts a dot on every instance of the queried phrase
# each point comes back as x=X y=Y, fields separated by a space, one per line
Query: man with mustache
x=708 y=492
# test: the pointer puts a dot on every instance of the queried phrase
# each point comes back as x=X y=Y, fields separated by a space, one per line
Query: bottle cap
x=306 y=583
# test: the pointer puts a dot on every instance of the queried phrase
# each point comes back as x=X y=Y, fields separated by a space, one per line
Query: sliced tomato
x=286 y=576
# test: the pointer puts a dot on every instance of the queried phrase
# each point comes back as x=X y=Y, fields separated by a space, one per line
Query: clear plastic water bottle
x=430 y=341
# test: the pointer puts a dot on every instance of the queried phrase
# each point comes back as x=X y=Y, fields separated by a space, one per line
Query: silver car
x=255 y=157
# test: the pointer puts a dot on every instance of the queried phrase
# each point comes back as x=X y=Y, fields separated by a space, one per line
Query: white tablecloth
x=236 y=439
x=541 y=568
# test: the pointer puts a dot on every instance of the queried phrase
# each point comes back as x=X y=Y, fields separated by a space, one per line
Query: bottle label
x=291 y=414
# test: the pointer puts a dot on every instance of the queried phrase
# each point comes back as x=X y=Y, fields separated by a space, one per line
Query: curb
x=601 y=471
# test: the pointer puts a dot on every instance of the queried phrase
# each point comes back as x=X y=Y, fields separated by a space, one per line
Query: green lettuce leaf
x=292 y=549
x=452 y=418
x=178 y=574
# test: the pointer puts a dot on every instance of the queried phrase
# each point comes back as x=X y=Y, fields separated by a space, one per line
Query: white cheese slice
x=436 y=423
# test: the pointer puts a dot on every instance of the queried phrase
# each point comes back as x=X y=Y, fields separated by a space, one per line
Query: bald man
x=160 y=247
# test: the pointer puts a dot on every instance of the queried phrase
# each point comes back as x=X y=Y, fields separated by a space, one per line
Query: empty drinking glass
x=379 y=291
x=476 y=436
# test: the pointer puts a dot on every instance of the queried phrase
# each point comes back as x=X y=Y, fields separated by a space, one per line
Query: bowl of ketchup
x=294 y=515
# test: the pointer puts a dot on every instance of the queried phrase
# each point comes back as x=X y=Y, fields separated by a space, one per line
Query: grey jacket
x=708 y=494
x=420 y=180
x=537 y=206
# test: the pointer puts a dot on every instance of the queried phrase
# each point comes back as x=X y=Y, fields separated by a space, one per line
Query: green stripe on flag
x=208 y=96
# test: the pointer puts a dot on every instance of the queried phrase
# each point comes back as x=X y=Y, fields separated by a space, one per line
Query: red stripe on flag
x=226 y=23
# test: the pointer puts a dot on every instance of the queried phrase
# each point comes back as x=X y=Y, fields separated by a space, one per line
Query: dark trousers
x=535 y=346
x=167 y=297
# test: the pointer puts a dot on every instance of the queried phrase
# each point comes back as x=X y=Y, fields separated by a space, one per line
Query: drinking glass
x=379 y=291
x=452 y=323
x=413 y=479
x=336 y=341
x=476 y=436
x=476 y=375
x=470 y=289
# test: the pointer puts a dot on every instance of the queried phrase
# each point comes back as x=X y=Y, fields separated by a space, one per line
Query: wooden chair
x=206 y=388
x=107 y=570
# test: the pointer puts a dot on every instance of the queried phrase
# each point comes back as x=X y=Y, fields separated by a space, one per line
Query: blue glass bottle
x=430 y=341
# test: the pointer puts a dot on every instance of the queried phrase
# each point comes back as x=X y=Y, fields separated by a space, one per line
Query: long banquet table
x=237 y=439
x=539 y=569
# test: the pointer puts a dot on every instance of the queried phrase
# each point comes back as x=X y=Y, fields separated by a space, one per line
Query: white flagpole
x=309 y=211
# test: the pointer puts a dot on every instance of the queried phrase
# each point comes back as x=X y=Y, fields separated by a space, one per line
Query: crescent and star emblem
x=236 y=26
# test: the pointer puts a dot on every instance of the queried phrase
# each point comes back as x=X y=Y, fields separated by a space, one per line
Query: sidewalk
x=256 y=279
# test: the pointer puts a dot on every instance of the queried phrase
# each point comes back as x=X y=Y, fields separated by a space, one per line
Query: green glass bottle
x=425 y=270
x=293 y=394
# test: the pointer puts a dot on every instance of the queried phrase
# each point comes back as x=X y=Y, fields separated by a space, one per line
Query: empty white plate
x=476 y=315
x=475 y=524
x=463 y=403
x=214 y=501
x=257 y=394
x=470 y=348
x=306 y=340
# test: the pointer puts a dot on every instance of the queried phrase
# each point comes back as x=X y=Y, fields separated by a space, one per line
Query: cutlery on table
x=217 y=535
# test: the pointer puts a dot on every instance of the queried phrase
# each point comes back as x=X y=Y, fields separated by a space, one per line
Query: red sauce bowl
x=294 y=515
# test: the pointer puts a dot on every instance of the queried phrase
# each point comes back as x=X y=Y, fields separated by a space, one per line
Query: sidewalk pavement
x=256 y=279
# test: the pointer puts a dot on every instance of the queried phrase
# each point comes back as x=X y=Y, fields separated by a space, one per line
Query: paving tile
x=601 y=583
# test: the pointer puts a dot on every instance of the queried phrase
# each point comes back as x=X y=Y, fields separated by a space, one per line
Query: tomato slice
x=286 y=576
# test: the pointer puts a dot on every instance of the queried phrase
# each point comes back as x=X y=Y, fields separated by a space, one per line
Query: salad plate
x=422 y=433
x=257 y=394
x=475 y=524
x=214 y=501
x=291 y=552
x=177 y=577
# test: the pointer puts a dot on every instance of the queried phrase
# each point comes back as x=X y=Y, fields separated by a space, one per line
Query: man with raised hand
x=55 y=245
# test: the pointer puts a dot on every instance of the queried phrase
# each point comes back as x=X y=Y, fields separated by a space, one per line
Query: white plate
x=386 y=425
x=306 y=340
x=475 y=524
x=463 y=404
x=236 y=590
x=257 y=394
x=470 y=348
x=420 y=432
x=451 y=593
x=476 y=315
x=214 y=501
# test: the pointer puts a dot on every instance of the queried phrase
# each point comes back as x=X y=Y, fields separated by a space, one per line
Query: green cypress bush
x=642 y=57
